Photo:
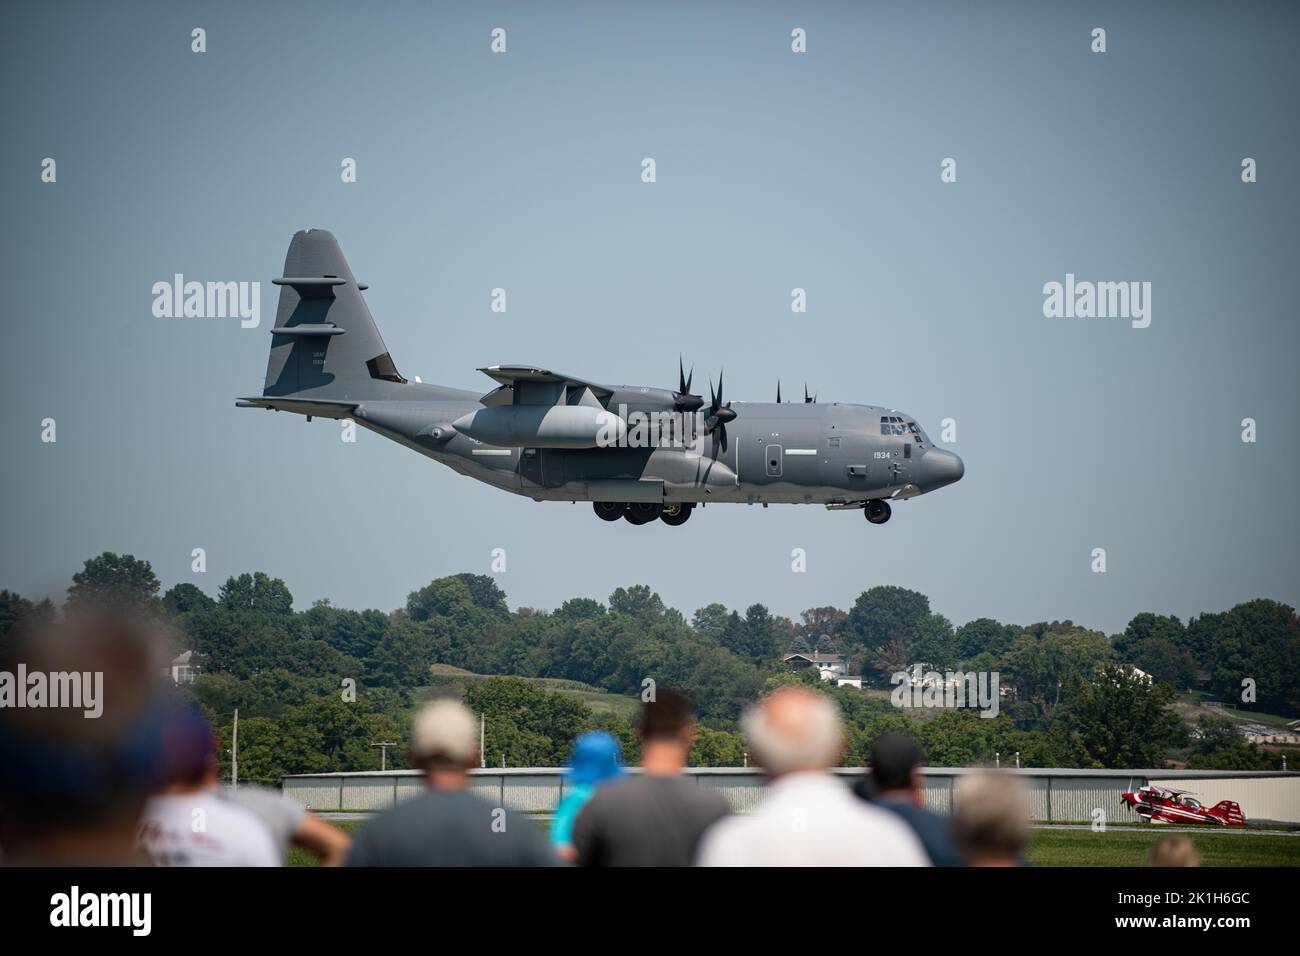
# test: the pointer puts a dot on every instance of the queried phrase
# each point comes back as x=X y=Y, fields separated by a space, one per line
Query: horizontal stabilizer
x=308 y=329
x=311 y=287
x=323 y=407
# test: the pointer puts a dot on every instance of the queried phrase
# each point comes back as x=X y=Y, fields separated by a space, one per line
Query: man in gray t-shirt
x=448 y=825
x=450 y=828
x=657 y=817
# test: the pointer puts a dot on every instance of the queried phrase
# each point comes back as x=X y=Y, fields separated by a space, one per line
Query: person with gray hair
x=447 y=825
x=1173 y=849
x=990 y=819
x=806 y=816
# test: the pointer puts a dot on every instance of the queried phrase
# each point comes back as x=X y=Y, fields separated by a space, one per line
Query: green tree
x=117 y=581
x=717 y=748
x=711 y=621
x=351 y=632
x=884 y=613
x=1257 y=642
x=983 y=636
x=16 y=609
x=442 y=597
x=761 y=638
x=217 y=640
x=636 y=601
x=186 y=598
x=402 y=657
x=821 y=627
x=1045 y=656
x=1166 y=661
x=1147 y=626
x=579 y=609
x=256 y=594
x=1213 y=732
x=1158 y=645
x=1220 y=746
x=526 y=725
x=1115 y=718
x=484 y=592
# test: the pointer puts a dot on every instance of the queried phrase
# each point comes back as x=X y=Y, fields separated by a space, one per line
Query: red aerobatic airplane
x=1163 y=805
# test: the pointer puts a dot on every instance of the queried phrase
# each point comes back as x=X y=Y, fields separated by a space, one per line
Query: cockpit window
x=895 y=425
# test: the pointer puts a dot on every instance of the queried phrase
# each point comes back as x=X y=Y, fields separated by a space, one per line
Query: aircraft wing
x=512 y=375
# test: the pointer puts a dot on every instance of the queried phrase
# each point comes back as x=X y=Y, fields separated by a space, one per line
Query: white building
x=182 y=669
x=829 y=666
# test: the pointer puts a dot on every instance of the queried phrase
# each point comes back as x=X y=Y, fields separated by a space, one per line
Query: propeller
x=778 y=391
x=719 y=414
x=806 y=399
x=683 y=400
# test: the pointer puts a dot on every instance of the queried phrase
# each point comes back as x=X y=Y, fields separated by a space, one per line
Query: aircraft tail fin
x=1230 y=812
x=324 y=342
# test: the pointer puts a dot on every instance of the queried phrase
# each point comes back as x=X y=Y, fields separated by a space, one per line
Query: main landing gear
x=877 y=511
x=643 y=512
x=676 y=514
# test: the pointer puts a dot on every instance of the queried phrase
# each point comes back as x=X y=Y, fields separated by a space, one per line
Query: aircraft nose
x=939 y=467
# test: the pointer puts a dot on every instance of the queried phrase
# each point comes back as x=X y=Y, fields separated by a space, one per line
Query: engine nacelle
x=543 y=426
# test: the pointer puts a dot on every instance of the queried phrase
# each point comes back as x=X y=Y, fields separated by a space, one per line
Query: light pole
x=383 y=746
x=234 y=753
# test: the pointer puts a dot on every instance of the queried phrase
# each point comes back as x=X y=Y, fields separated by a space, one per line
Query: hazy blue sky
x=775 y=170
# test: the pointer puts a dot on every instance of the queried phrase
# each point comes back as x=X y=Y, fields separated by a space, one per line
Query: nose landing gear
x=877 y=511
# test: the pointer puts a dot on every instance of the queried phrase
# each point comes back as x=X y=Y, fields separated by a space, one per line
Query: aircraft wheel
x=877 y=511
x=609 y=510
x=676 y=514
x=643 y=512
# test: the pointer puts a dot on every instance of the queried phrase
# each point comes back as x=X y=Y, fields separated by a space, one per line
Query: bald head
x=794 y=729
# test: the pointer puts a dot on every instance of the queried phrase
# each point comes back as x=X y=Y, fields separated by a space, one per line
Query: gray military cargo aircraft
x=637 y=453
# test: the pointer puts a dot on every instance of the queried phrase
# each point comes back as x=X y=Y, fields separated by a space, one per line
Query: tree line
x=316 y=688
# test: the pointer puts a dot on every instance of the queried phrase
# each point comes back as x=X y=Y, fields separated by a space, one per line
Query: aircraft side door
x=846 y=458
x=543 y=466
x=900 y=466
x=530 y=465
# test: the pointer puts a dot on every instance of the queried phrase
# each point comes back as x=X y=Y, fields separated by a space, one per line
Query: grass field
x=449 y=681
x=1116 y=847
x=1128 y=847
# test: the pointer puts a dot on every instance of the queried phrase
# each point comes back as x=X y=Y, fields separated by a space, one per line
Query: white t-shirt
x=812 y=819
x=201 y=829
